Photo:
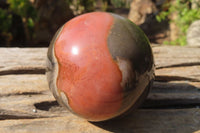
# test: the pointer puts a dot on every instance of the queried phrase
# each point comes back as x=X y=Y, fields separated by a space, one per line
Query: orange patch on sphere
x=87 y=73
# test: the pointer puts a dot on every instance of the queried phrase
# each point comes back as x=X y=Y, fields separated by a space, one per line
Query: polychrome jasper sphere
x=100 y=65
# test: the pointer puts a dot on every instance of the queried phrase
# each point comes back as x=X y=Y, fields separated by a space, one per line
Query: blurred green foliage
x=19 y=17
x=120 y=3
x=185 y=16
x=82 y=6
x=24 y=9
x=5 y=20
x=9 y=26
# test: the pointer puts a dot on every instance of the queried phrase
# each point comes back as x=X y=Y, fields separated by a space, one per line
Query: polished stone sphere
x=100 y=65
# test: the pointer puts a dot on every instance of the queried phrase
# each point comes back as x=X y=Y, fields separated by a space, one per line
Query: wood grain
x=175 y=56
x=27 y=105
x=26 y=60
x=141 y=121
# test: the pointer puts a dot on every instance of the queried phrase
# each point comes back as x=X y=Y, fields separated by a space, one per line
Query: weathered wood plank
x=174 y=56
x=20 y=93
x=22 y=60
x=141 y=121
x=179 y=94
x=191 y=73
x=22 y=84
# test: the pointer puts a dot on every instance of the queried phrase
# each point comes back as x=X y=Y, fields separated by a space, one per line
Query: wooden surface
x=173 y=105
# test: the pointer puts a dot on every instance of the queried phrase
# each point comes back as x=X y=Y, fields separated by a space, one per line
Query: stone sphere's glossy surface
x=100 y=65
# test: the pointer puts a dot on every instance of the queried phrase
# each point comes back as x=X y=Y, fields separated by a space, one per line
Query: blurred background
x=32 y=23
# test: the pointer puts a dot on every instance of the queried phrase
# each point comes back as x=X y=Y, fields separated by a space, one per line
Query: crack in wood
x=11 y=117
x=23 y=71
x=174 y=78
x=170 y=104
x=23 y=93
x=8 y=114
x=180 y=65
